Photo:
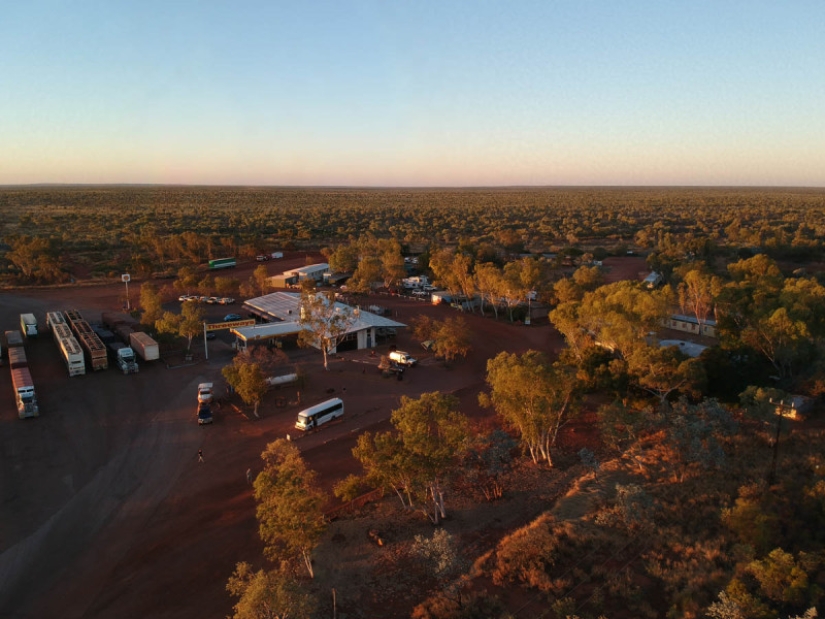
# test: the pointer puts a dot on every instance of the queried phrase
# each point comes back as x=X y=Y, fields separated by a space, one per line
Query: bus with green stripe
x=222 y=263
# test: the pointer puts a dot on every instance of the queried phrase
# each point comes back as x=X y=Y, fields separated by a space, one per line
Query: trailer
x=113 y=320
x=106 y=336
x=276 y=382
x=61 y=331
x=72 y=354
x=94 y=348
x=124 y=333
x=89 y=341
x=24 y=395
x=54 y=318
x=146 y=348
x=17 y=358
x=72 y=317
x=14 y=338
x=222 y=263
x=28 y=325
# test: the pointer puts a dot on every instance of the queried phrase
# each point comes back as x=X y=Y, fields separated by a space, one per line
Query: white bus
x=314 y=416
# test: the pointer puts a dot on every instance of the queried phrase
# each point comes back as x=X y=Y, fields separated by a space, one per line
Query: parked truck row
x=21 y=378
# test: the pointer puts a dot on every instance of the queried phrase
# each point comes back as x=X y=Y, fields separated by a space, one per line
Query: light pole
x=125 y=278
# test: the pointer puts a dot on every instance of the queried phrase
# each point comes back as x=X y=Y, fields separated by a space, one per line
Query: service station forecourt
x=220 y=326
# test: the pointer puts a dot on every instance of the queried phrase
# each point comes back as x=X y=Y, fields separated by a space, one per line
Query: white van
x=403 y=358
x=314 y=416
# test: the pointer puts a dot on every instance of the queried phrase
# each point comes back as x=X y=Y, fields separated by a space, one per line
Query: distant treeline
x=111 y=227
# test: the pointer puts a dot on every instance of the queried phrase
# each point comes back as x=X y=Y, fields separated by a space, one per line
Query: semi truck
x=24 y=394
x=146 y=348
x=123 y=357
x=28 y=325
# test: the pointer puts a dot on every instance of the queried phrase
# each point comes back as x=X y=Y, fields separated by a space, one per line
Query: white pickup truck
x=402 y=358
x=204 y=392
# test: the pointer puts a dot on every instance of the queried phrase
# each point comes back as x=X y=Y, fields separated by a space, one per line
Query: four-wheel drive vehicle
x=402 y=358
x=204 y=414
x=205 y=392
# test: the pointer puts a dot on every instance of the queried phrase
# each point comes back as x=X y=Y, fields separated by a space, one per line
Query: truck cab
x=28 y=325
x=124 y=357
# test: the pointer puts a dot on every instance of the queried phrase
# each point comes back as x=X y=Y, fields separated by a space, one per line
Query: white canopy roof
x=286 y=306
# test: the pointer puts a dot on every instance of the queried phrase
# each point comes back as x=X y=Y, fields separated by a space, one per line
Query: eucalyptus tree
x=290 y=505
x=324 y=321
x=532 y=396
x=416 y=459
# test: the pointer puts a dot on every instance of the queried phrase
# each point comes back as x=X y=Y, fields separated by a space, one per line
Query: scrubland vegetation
x=109 y=230
x=694 y=497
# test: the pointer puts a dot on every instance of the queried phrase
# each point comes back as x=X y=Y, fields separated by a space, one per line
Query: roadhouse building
x=282 y=312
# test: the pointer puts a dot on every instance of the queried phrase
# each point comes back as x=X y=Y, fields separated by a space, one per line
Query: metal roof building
x=284 y=308
x=314 y=271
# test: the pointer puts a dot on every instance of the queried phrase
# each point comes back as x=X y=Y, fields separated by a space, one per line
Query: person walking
x=249 y=476
x=200 y=455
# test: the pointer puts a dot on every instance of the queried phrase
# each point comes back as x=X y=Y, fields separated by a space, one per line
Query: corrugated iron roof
x=286 y=306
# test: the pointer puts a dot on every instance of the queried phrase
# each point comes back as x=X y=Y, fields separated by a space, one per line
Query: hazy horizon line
x=409 y=187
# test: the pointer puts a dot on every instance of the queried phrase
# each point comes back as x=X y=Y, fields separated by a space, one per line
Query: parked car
x=262 y=258
x=226 y=301
x=205 y=392
x=183 y=297
x=204 y=414
x=231 y=317
x=213 y=300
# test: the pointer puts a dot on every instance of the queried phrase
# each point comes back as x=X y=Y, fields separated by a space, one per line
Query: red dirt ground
x=107 y=513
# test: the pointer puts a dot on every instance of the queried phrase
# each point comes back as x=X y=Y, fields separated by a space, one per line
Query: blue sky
x=413 y=93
